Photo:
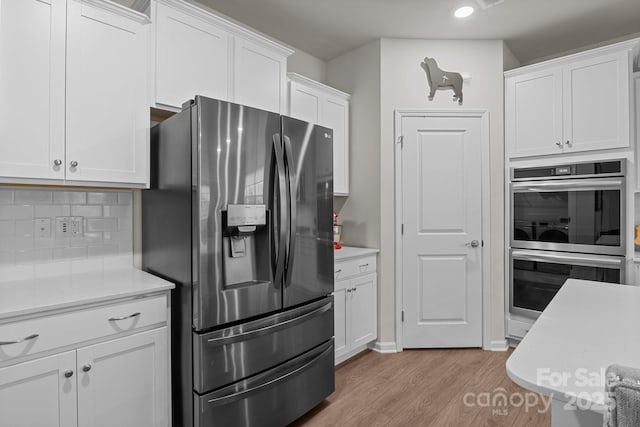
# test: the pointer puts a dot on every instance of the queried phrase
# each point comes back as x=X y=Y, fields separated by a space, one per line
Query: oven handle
x=573 y=185
x=586 y=260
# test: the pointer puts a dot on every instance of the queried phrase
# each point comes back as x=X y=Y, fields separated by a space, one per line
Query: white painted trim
x=318 y=86
x=486 y=212
x=628 y=45
x=204 y=13
x=498 y=345
x=384 y=347
x=118 y=9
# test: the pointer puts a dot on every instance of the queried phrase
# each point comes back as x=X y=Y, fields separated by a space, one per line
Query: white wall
x=404 y=85
x=358 y=73
x=509 y=60
x=309 y=66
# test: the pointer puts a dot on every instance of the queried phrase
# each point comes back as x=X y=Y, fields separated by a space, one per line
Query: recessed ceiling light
x=463 y=12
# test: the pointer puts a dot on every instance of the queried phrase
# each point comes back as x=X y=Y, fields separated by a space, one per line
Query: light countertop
x=586 y=327
x=352 y=252
x=23 y=297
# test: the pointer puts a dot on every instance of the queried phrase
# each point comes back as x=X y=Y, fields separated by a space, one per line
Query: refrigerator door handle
x=281 y=197
x=292 y=208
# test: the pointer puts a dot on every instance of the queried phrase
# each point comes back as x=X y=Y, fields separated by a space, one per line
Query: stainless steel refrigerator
x=239 y=217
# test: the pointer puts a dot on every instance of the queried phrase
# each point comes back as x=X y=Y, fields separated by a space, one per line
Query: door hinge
x=401 y=141
x=403 y=315
x=402 y=229
x=482 y=243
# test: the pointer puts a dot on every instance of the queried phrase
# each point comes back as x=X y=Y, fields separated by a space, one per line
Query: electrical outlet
x=69 y=226
x=43 y=228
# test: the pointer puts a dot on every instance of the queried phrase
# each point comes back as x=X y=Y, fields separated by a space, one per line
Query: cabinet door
x=107 y=111
x=192 y=58
x=37 y=393
x=596 y=103
x=304 y=102
x=341 y=339
x=125 y=382
x=362 y=307
x=259 y=78
x=533 y=113
x=335 y=115
x=32 y=49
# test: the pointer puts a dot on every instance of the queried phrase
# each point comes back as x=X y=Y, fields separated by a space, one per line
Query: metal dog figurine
x=440 y=79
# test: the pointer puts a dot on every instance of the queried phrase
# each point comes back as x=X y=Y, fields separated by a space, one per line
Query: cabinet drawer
x=59 y=330
x=354 y=267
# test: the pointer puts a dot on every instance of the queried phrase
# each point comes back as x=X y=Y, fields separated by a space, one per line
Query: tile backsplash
x=33 y=221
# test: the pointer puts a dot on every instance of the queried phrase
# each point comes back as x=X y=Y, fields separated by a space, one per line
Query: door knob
x=68 y=374
x=57 y=162
x=73 y=164
x=86 y=368
x=473 y=244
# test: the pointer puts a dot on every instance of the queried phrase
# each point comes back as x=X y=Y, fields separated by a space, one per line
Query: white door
x=41 y=392
x=259 y=78
x=107 y=103
x=362 y=310
x=596 y=103
x=304 y=102
x=124 y=382
x=32 y=36
x=192 y=58
x=442 y=240
x=533 y=118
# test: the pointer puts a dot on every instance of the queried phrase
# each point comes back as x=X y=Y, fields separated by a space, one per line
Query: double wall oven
x=567 y=221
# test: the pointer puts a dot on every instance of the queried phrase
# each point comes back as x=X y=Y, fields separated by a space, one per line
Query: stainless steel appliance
x=567 y=221
x=239 y=216
x=536 y=276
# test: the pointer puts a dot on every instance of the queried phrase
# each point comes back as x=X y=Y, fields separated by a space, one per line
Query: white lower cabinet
x=123 y=381
x=38 y=393
x=355 y=306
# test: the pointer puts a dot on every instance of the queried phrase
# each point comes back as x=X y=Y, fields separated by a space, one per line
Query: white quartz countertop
x=24 y=297
x=347 y=252
x=586 y=327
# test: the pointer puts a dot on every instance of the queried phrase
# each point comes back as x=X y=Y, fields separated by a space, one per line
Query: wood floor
x=427 y=388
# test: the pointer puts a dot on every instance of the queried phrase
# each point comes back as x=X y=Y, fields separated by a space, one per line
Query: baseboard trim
x=497 y=345
x=384 y=347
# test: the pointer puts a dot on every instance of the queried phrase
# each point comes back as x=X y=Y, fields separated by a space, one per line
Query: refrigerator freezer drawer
x=273 y=398
x=225 y=356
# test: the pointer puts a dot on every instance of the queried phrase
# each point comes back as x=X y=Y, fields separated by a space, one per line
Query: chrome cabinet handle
x=68 y=374
x=349 y=290
x=73 y=164
x=112 y=319
x=57 y=162
x=559 y=144
x=568 y=143
x=86 y=368
x=30 y=337
x=353 y=289
x=473 y=244
x=364 y=265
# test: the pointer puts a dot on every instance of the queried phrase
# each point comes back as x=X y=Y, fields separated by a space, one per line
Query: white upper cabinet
x=196 y=52
x=577 y=103
x=107 y=112
x=260 y=75
x=317 y=103
x=73 y=102
x=191 y=56
x=32 y=72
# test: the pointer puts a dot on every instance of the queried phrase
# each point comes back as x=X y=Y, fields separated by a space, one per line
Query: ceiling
x=532 y=29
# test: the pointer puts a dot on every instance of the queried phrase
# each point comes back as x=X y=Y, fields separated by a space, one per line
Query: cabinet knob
x=73 y=164
x=86 y=368
x=57 y=162
x=353 y=289
x=348 y=290
x=568 y=143
x=559 y=144
x=68 y=374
